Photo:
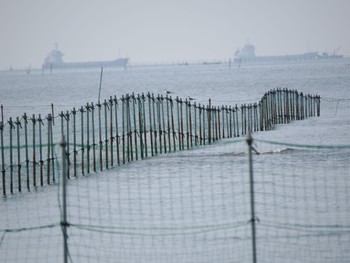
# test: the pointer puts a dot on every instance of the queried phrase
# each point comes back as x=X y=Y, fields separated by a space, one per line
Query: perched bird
x=168 y=92
x=190 y=98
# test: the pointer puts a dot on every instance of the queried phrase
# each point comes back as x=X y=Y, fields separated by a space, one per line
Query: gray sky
x=168 y=30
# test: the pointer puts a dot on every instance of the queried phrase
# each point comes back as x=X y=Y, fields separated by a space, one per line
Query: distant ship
x=247 y=54
x=54 y=61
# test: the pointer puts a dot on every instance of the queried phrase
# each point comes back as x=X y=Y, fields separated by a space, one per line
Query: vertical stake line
x=252 y=201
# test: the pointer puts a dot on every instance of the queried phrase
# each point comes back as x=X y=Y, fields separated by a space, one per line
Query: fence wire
x=192 y=206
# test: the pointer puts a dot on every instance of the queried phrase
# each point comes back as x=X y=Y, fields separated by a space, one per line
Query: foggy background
x=154 y=31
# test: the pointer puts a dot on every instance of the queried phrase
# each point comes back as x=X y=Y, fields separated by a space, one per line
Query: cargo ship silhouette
x=54 y=61
x=247 y=54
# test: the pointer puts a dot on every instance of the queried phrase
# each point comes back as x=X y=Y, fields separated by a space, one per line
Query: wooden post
x=200 y=113
x=100 y=134
x=237 y=123
x=41 y=162
x=168 y=121
x=128 y=128
x=209 y=115
x=163 y=123
x=2 y=151
x=92 y=107
x=67 y=148
x=187 y=128
x=123 y=128
x=25 y=118
x=182 y=127
x=111 y=128
x=106 y=133
x=82 y=139
x=18 y=125
x=154 y=125
x=87 y=107
x=172 y=123
x=140 y=123
x=74 y=112
x=11 y=155
x=150 y=122
x=34 y=155
x=116 y=127
x=178 y=122
x=195 y=125
x=49 y=131
x=159 y=122
x=190 y=120
x=144 y=124
x=135 y=126
x=207 y=112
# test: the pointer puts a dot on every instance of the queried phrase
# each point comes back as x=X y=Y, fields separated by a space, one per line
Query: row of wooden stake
x=119 y=131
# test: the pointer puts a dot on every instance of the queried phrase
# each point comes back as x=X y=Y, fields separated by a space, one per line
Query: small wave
x=279 y=151
x=236 y=154
x=273 y=151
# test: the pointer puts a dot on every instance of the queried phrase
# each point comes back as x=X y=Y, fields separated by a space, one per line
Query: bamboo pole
x=154 y=124
x=92 y=107
x=74 y=112
x=106 y=133
x=10 y=122
x=18 y=125
x=67 y=141
x=87 y=107
x=25 y=118
x=111 y=129
x=144 y=124
x=168 y=122
x=135 y=126
x=100 y=135
x=49 y=128
x=41 y=161
x=123 y=128
x=172 y=123
x=140 y=123
x=187 y=127
x=163 y=123
x=116 y=128
x=82 y=139
x=2 y=151
x=150 y=122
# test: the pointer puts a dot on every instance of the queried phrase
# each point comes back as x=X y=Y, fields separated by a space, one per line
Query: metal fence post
x=64 y=223
x=252 y=202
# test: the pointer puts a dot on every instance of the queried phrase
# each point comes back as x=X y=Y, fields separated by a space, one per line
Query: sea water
x=195 y=205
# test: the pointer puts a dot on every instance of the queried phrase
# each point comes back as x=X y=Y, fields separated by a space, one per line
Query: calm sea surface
x=194 y=206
